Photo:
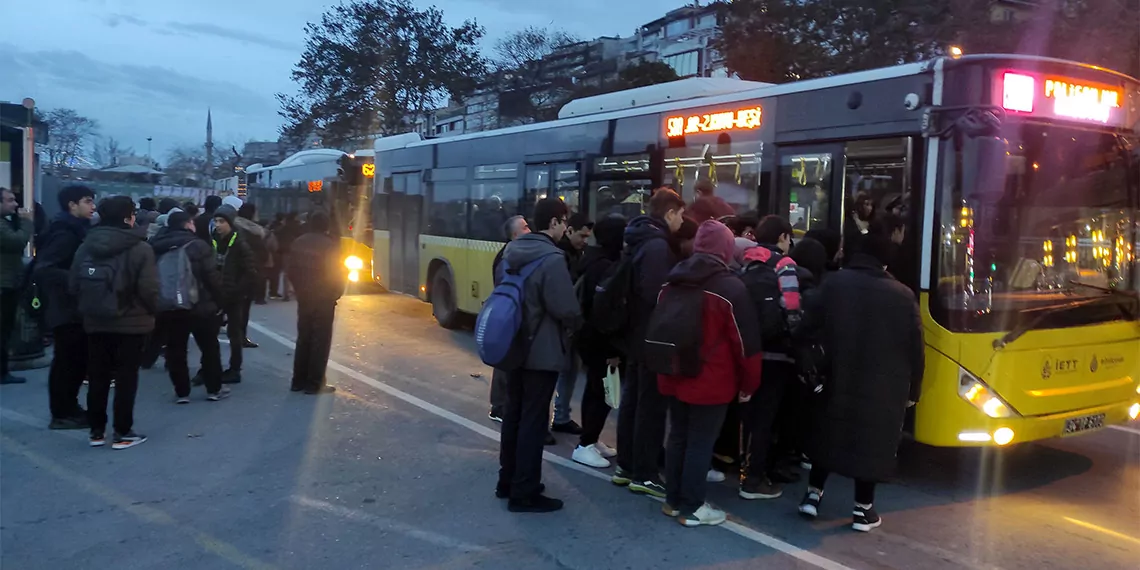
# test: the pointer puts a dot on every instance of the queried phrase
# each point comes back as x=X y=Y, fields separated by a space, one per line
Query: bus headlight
x=353 y=263
x=1134 y=411
x=974 y=391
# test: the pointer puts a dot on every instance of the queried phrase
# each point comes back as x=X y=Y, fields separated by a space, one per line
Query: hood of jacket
x=644 y=228
x=595 y=255
x=108 y=241
x=697 y=270
x=529 y=248
x=249 y=226
x=170 y=238
x=64 y=221
x=761 y=253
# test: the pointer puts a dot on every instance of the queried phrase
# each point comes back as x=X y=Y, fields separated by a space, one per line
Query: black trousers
x=179 y=327
x=155 y=341
x=68 y=369
x=728 y=444
x=499 y=392
x=9 y=304
x=112 y=356
x=760 y=415
x=864 y=490
x=641 y=423
x=693 y=431
x=237 y=319
x=594 y=408
x=524 y=431
x=314 y=342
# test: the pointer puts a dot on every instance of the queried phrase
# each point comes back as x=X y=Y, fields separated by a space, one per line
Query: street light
x=148 y=139
x=955 y=52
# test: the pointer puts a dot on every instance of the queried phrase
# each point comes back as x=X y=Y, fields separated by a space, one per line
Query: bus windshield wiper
x=1042 y=313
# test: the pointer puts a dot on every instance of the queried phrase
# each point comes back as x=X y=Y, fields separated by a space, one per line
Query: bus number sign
x=679 y=126
x=316 y=185
x=1061 y=98
x=368 y=170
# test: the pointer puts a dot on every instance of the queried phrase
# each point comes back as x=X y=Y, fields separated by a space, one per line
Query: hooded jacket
x=234 y=258
x=105 y=241
x=14 y=236
x=53 y=268
x=202 y=263
x=552 y=311
x=256 y=237
x=730 y=341
x=647 y=239
x=315 y=268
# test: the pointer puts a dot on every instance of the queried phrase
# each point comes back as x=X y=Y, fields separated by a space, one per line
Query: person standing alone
x=15 y=232
x=116 y=283
x=319 y=279
x=234 y=258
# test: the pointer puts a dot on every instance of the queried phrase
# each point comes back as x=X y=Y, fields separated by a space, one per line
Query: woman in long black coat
x=871 y=329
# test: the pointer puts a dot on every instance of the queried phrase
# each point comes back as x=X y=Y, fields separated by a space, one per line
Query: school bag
x=103 y=286
x=609 y=310
x=500 y=328
x=177 y=286
x=763 y=284
x=675 y=333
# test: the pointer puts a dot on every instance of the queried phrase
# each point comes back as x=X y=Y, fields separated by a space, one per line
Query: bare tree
x=524 y=48
x=68 y=133
x=107 y=152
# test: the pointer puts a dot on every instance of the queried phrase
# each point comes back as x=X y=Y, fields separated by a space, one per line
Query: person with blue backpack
x=525 y=329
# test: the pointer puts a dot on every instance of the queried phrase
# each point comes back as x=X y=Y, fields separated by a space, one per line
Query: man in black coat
x=319 y=278
x=52 y=267
x=870 y=325
x=204 y=223
x=201 y=320
x=240 y=277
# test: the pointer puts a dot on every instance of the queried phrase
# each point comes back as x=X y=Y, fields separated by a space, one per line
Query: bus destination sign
x=739 y=119
x=1061 y=98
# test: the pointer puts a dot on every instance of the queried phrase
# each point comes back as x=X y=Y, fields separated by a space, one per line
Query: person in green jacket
x=15 y=232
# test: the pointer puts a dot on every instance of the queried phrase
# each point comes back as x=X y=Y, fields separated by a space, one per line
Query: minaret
x=209 y=140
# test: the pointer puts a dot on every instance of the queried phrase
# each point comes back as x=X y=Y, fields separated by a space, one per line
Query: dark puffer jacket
x=315 y=270
x=238 y=267
x=106 y=241
x=654 y=254
x=53 y=267
x=202 y=263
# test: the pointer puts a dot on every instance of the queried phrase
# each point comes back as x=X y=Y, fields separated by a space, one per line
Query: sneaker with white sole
x=182 y=400
x=865 y=518
x=220 y=394
x=97 y=439
x=651 y=488
x=705 y=515
x=669 y=510
x=715 y=476
x=620 y=477
x=754 y=489
x=606 y=451
x=809 y=506
x=590 y=457
x=127 y=440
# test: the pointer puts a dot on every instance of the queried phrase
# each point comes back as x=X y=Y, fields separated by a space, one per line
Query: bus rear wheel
x=443 y=304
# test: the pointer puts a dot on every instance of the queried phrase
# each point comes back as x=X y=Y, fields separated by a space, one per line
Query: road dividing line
x=1126 y=429
x=731 y=526
x=385 y=524
x=1103 y=530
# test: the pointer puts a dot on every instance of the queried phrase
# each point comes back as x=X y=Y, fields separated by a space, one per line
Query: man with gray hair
x=514 y=228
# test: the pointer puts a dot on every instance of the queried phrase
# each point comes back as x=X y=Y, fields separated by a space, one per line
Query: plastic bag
x=612 y=384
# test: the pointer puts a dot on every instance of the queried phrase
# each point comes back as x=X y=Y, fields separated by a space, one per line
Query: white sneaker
x=605 y=450
x=706 y=515
x=590 y=457
x=715 y=476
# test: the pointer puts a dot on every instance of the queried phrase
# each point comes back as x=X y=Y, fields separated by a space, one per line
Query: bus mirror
x=984 y=165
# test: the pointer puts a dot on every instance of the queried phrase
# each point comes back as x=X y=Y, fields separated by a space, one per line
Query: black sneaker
x=536 y=504
x=231 y=376
x=96 y=439
x=651 y=488
x=249 y=343
x=12 y=379
x=127 y=440
x=495 y=415
x=620 y=477
x=753 y=489
x=865 y=518
x=68 y=423
x=198 y=379
x=571 y=427
x=505 y=492
x=219 y=395
x=182 y=400
x=809 y=506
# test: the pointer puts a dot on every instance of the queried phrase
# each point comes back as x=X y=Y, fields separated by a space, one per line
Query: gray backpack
x=177 y=287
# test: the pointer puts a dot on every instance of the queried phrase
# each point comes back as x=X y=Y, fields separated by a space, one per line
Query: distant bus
x=322 y=179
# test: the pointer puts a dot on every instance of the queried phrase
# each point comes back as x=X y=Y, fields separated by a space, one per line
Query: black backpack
x=675 y=333
x=763 y=286
x=609 y=309
x=104 y=286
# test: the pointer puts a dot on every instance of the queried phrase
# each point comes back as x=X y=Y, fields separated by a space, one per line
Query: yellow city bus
x=1019 y=178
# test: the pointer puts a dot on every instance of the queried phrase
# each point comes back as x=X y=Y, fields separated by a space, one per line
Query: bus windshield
x=1051 y=223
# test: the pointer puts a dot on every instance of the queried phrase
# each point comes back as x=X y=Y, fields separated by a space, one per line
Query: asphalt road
x=397 y=470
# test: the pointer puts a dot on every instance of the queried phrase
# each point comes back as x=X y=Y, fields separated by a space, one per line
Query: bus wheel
x=443 y=304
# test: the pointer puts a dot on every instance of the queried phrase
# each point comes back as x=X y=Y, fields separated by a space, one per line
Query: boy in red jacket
x=729 y=369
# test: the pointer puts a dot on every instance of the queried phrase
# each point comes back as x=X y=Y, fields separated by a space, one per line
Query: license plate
x=1083 y=423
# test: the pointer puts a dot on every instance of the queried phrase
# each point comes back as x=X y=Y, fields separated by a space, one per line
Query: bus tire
x=443 y=304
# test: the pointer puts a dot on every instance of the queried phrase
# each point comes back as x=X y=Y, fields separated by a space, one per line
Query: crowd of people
x=122 y=284
x=741 y=350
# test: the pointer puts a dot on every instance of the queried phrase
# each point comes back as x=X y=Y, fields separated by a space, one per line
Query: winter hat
x=609 y=233
x=811 y=255
x=233 y=202
x=177 y=218
x=226 y=212
x=165 y=205
x=714 y=238
x=739 y=246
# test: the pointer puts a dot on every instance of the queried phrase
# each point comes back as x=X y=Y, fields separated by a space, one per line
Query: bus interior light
x=981 y=396
x=1018 y=92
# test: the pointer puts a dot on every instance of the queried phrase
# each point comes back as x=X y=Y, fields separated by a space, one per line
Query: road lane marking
x=731 y=526
x=385 y=524
x=216 y=546
x=1126 y=429
x=1103 y=530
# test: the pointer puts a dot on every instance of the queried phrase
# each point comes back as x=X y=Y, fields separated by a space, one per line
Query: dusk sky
x=151 y=68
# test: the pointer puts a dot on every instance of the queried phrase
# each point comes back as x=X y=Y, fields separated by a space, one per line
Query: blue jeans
x=565 y=390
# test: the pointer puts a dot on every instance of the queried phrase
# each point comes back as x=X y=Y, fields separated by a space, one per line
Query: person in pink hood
x=708 y=206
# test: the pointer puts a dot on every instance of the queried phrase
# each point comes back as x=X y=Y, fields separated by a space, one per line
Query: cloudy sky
x=153 y=67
